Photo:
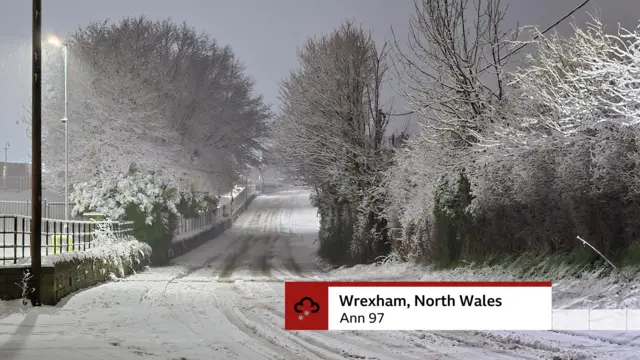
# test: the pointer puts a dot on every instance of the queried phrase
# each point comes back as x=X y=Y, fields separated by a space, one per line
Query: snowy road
x=224 y=301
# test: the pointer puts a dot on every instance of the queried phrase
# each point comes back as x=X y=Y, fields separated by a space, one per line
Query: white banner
x=440 y=308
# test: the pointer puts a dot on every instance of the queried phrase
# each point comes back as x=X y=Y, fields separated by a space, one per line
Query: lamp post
x=58 y=43
x=4 y=166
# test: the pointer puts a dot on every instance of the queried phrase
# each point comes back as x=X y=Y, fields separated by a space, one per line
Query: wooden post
x=36 y=163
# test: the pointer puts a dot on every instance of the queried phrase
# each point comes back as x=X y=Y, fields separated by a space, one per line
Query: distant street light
x=4 y=166
x=54 y=40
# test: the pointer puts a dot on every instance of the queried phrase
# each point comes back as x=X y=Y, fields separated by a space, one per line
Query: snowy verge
x=573 y=287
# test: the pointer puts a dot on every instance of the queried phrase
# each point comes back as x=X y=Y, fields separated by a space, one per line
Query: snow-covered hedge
x=111 y=195
x=149 y=199
x=114 y=256
x=570 y=169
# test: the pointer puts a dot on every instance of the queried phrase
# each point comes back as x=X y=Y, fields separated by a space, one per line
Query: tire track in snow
x=290 y=262
x=192 y=320
x=512 y=343
x=229 y=262
x=251 y=239
x=252 y=332
x=281 y=339
x=263 y=262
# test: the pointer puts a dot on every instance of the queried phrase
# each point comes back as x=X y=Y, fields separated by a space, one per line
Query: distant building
x=16 y=177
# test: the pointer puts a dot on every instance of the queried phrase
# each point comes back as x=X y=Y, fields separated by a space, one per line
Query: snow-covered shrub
x=410 y=185
x=540 y=200
x=568 y=167
x=577 y=173
x=104 y=238
x=112 y=256
x=110 y=195
x=193 y=204
x=452 y=218
x=144 y=197
x=336 y=229
x=25 y=286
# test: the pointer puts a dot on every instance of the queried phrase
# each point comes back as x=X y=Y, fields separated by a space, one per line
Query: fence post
x=45 y=206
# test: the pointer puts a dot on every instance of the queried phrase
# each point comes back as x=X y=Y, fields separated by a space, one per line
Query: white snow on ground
x=225 y=301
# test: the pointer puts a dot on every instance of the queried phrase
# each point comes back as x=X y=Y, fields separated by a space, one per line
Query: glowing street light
x=54 y=40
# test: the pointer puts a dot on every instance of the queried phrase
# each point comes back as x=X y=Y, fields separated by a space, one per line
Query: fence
x=14 y=183
x=57 y=235
x=203 y=219
x=50 y=209
x=76 y=235
x=226 y=208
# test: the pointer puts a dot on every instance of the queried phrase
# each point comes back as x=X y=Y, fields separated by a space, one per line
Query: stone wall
x=70 y=272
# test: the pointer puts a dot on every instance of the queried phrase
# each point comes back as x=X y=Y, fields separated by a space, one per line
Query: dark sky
x=263 y=33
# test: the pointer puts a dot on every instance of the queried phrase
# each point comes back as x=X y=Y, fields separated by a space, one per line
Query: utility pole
x=36 y=152
x=4 y=166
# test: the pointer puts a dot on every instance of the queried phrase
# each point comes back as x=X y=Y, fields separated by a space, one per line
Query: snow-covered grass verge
x=574 y=286
x=109 y=259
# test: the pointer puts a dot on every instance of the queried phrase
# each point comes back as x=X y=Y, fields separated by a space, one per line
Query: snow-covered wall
x=68 y=272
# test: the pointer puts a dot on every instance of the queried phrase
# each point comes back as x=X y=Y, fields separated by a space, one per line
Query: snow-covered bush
x=111 y=256
x=577 y=116
x=410 y=184
x=110 y=195
x=569 y=166
x=193 y=204
x=541 y=199
x=144 y=197
x=452 y=218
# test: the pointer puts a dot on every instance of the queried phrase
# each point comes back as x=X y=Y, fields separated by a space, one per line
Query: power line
x=522 y=46
x=583 y=4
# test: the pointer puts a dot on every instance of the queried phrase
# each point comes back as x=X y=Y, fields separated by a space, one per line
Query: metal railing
x=203 y=219
x=50 y=209
x=57 y=236
x=225 y=209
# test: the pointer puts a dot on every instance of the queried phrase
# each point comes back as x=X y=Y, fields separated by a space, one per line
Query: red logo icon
x=305 y=307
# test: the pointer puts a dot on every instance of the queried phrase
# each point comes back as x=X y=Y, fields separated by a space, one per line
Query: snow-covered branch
x=452 y=70
x=572 y=84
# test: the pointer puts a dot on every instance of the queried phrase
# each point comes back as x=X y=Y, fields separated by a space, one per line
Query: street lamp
x=54 y=40
x=4 y=166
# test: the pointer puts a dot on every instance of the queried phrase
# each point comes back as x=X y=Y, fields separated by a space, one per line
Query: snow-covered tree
x=157 y=94
x=451 y=68
x=330 y=133
x=452 y=75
